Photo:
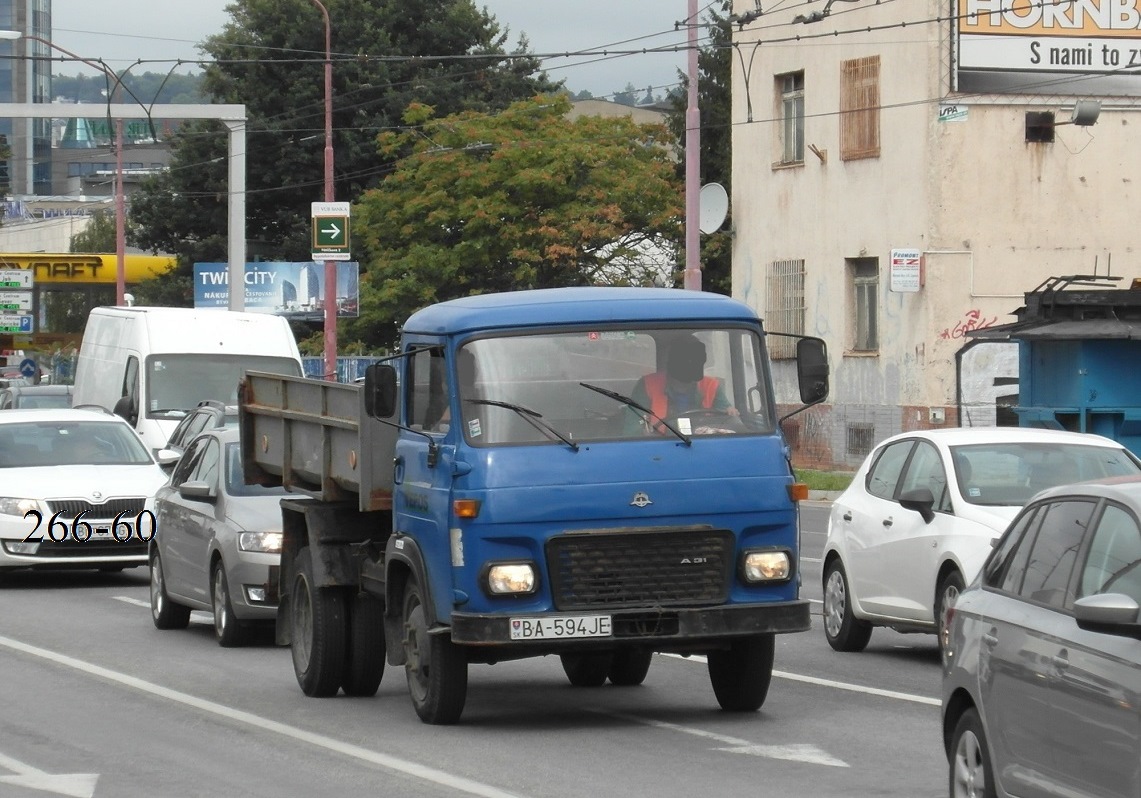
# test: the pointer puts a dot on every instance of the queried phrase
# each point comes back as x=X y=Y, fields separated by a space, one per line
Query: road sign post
x=331 y=238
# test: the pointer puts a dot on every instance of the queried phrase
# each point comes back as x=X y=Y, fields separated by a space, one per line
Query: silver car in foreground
x=1042 y=653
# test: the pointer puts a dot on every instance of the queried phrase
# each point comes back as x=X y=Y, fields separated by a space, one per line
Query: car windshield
x=42 y=400
x=177 y=383
x=56 y=443
x=235 y=486
x=611 y=383
x=1010 y=473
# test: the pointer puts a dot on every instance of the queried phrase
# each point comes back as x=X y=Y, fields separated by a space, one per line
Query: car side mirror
x=812 y=369
x=922 y=501
x=1109 y=613
x=197 y=490
x=380 y=386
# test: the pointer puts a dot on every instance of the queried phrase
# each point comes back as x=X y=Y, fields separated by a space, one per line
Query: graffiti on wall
x=972 y=320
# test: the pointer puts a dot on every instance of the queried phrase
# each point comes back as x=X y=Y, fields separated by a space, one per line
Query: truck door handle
x=398 y=469
x=990 y=639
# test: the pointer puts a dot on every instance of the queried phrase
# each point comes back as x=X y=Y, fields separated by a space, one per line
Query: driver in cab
x=681 y=388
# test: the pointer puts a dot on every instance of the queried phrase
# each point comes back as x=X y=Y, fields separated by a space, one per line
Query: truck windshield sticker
x=473 y=428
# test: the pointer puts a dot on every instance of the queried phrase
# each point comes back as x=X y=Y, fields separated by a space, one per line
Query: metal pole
x=120 y=220
x=692 y=165
x=330 y=297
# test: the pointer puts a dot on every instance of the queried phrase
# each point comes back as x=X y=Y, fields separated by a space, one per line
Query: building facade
x=904 y=172
x=25 y=77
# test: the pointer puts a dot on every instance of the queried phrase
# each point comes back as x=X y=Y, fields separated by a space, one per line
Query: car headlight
x=770 y=565
x=20 y=507
x=269 y=542
x=511 y=579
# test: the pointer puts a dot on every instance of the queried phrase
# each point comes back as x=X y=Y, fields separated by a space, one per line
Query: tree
x=97 y=236
x=524 y=198
x=628 y=96
x=714 y=66
x=387 y=54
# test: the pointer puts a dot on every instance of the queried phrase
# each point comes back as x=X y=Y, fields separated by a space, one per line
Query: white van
x=152 y=366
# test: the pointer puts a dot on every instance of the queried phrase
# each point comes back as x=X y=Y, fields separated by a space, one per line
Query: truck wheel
x=629 y=667
x=164 y=612
x=227 y=629
x=436 y=668
x=740 y=675
x=587 y=670
x=845 y=632
x=364 y=664
x=318 y=622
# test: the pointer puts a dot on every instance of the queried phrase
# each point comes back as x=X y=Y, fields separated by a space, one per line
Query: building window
x=860 y=108
x=785 y=311
x=790 y=89
x=865 y=280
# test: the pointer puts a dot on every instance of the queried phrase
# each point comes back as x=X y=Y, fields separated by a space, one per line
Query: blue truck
x=515 y=482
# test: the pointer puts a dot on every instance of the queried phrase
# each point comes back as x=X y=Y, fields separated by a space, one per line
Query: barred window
x=784 y=288
x=790 y=90
x=860 y=108
x=865 y=290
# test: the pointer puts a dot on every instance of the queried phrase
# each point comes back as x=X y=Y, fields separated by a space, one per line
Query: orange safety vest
x=656 y=389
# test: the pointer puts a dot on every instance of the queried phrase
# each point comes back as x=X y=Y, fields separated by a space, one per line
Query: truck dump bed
x=313 y=437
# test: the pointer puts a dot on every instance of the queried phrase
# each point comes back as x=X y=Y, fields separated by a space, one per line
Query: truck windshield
x=607 y=384
x=177 y=383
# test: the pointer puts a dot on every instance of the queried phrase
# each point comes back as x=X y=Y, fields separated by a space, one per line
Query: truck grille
x=642 y=568
x=70 y=508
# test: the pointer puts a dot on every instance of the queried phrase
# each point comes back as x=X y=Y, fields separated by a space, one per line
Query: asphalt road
x=97 y=702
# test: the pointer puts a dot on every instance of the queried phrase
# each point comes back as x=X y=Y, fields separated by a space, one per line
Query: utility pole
x=692 y=165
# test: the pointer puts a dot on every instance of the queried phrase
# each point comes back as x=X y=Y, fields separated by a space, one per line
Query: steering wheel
x=713 y=420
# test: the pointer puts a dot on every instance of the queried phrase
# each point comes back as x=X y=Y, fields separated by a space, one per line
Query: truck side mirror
x=380 y=386
x=812 y=369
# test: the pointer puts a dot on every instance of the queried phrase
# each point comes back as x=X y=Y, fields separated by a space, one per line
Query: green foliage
x=98 y=236
x=271 y=58
x=714 y=65
x=824 y=480
x=523 y=198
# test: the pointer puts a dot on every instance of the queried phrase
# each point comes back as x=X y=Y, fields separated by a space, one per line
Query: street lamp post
x=692 y=163
x=120 y=203
x=330 y=266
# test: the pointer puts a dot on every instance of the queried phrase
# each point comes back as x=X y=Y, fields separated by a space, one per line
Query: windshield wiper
x=626 y=400
x=531 y=417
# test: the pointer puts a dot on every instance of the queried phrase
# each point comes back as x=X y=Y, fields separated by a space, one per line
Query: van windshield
x=608 y=384
x=177 y=383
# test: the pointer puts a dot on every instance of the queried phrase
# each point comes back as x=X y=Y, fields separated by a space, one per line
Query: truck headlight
x=507 y=579
x=769 y=565
x=15 y=506
x=269 y=542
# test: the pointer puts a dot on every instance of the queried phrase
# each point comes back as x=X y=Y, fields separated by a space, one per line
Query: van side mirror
x=812 y=369
x=124 y=408
x=380 y=386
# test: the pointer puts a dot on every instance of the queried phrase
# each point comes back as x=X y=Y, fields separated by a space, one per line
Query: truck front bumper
x=664 y=629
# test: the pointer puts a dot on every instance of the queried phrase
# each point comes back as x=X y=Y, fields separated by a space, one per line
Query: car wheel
x=629 y=667
x=845 y=632
x=970 y=770
x=364 y=663
x=227 y=628
x=436 y=668
x=950 y=586
x=741 y=674
x=587 y=670
x=165 y=613
x=318 y=623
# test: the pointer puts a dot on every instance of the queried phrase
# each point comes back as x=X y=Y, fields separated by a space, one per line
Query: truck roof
x=575 y=306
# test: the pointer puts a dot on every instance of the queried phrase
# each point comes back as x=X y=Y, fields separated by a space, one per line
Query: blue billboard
x=293 y=290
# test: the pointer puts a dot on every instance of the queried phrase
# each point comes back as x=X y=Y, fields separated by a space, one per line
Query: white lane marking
x=75 y=785
x=135 y=601
x=853 y=688
x=812 y=559
x=414 y=769
x=797 y=752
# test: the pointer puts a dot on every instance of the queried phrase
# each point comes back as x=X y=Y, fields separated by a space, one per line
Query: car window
x=884 y=473
x=1053 y=554
x=1005 y=556
x=925 y=470
x=235 y=482
x=206 y=467
x=1113 y=564
x=188 y=463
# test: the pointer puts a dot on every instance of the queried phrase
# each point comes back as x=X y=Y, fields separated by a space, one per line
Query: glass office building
x=25 y=77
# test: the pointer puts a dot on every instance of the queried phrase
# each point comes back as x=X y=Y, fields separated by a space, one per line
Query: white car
x=73 y=484
x=923 y=511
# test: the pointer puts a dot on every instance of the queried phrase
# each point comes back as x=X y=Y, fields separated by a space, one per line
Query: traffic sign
x=16 y=278
x=15 y=323
x=331 y=239
x=28 y=367
x=15 y=301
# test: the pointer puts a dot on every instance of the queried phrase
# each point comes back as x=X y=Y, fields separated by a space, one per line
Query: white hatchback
x=73 y=484
x=923 y=511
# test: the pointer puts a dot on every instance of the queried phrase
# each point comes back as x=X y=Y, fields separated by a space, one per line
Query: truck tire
x=587 y=670
x=318 y=624
x=844 y=631
x=740 y=675
x=164 y=612
x=228 y=630
x=629 y=667
x=364 y=657
x=436 y=668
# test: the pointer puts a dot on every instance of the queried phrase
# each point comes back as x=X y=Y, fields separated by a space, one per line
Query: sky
x=122 y=32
